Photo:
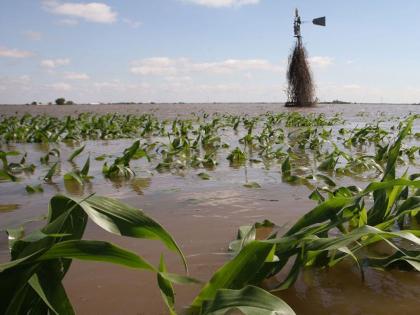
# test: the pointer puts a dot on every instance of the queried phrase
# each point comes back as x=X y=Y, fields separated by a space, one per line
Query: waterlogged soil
x=202 y=215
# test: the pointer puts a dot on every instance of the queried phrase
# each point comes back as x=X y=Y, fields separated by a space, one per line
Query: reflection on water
x=8 y=208
x=138 y=185
x=340 y=290
x=42 y=147
x=73 y=188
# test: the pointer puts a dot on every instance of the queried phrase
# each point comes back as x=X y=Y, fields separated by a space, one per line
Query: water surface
x=202 y=215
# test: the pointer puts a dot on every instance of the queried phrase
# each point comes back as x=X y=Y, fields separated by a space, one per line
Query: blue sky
x=204 y=50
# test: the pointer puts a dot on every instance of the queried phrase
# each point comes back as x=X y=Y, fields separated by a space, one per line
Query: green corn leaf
x=73 y=176
x=51 y=172
x=34 y=189
x=286 y=167
x=236 y=273
x=249 y=301
x=324 y=211
x=166 y=289
x=122 y=219
x=85 y=170
x=96 y=251
x=76 y=153
x=204 y=176
x=36 y=285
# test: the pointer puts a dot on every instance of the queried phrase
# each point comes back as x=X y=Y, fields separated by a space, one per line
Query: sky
x=205 y=50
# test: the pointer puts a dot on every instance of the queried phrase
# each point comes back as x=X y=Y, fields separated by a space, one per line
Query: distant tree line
x=62 y=101
x=58 y=101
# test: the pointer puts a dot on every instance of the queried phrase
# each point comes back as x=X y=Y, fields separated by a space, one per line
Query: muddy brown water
x=203 y=216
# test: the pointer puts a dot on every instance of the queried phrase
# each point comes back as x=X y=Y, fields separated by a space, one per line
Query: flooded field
x=204 y=195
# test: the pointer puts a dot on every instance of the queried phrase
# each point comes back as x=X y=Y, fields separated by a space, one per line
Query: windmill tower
x=300 y=90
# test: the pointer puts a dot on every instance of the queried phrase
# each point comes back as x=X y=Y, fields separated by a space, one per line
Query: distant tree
x=34 y=103
x=60 y=101
x=69 y=103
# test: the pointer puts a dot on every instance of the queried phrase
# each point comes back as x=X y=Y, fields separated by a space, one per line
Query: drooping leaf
x=34 y=189
x=122 y=219
x=73 y=176
x=252 y=185
x=51 y=172
x=96 y=251
x=204 y=176
x=8 y=207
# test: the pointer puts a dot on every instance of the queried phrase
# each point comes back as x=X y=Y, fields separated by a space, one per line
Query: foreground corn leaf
x=95 y=251
x=324 y=211
x=121 y=219
x=32 y=281
x=36 y=285
x=166 y=288
x=236 y=273
x=249 y=301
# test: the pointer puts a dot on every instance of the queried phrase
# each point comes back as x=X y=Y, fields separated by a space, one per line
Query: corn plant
x=32 y=281
x=121 y=165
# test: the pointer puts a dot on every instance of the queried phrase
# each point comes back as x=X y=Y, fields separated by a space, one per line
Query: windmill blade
x=319 y=21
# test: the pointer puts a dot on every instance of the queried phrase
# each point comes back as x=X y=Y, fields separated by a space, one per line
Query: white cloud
x=352 y=86
x=14 y=53
x=178 y=79
x=232 y=65
x=163 y=66
x=119 y=86
x=32 y=35
x=24 y=78
x=68 y=22
x=107 y=85
x=320 y=61
x=60 y=86
x=132 y=23
x=76 y=76
x=92 y=12
x=223 y=3
x=157 y=66
x=53 y=63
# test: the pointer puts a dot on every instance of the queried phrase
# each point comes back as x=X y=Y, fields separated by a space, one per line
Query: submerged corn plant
x=237 y=157
x=9 y=170
x=53 y=153
x=80 y=176
x=121 y=166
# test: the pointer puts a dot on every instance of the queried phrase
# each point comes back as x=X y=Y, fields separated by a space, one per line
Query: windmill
x=300 y=90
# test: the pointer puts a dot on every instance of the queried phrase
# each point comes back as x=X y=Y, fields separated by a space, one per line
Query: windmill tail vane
x=321 y=21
